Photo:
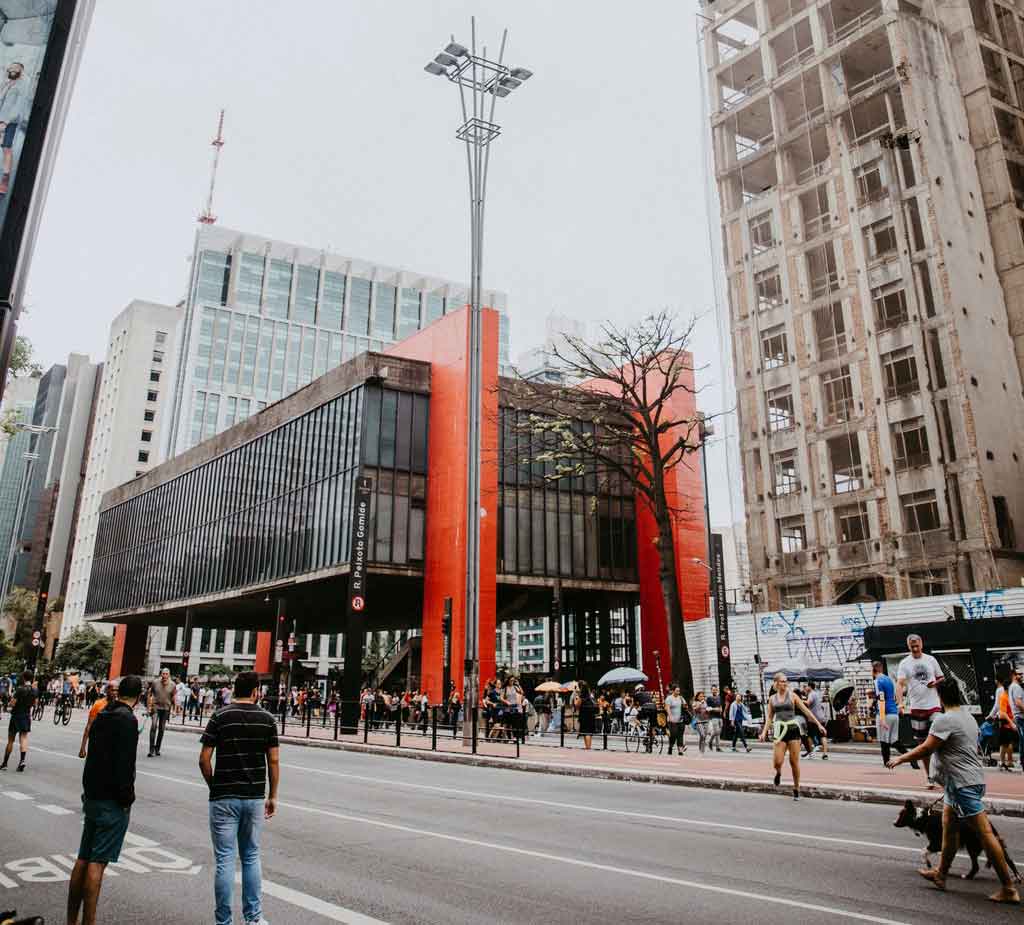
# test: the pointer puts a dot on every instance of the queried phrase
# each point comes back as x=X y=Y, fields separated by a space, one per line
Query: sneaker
x=824 y=757
x=151 y=754
x=796 y=795
x=21 y=767
x=749 y=749
x=778 y=777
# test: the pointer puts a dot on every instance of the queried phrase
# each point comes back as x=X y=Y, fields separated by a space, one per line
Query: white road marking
x=585 y=808
x=56 y=810
x=15 y=795
x=589 y=809
x=556 y=858
x=312 y=904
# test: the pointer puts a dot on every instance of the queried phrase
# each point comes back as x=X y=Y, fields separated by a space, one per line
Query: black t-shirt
x=241 y=734
x=24 y=697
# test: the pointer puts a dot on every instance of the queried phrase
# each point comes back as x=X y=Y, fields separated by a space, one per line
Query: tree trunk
x=679 y=652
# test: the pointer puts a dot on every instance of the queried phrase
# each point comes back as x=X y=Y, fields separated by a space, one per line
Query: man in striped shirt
x=244 y=735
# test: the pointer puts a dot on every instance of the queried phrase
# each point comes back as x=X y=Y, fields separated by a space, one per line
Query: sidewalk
x=844 y=777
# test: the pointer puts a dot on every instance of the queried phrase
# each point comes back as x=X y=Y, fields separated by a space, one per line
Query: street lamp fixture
x=697 y=561
x=482 y=81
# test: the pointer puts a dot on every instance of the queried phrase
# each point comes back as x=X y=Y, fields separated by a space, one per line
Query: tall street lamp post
x=482 y=81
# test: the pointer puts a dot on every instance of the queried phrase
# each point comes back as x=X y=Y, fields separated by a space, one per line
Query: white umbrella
x=622 y=676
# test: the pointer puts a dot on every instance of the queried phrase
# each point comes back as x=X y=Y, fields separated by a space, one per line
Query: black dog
x=929 y=824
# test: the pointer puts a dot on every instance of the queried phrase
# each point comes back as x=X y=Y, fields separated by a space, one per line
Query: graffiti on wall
x=981 y=606
x=841 y=648
x=773 y=624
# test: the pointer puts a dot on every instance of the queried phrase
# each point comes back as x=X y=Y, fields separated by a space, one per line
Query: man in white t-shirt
x=916 y=679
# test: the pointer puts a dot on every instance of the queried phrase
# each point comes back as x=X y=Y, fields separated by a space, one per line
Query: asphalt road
x=367 y=839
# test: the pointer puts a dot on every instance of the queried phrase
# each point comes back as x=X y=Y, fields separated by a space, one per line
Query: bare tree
x=621 y=413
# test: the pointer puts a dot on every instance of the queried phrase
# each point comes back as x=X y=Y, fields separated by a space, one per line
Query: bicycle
x=38 y=708
x=645 y=736
x=62 y=712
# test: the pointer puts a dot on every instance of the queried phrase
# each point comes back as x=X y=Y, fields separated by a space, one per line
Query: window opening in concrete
x=792 y=534
x=900 y=369
x=736 y=34
x=880 y=240
x=910 y=444
x=870 y=185
x=768 y=284
x=815 y=209
x=747 y=133
x=958 y=507
x=785 y=475
x=762 y=235
x=796 y=597
x=822 y=273
x=741 y=80
x=938 y=367
x=842 y=18
x=780 y=409
x=916 y=228
x=792 y=47
x=809 y=157
x=907 y=166
x=773 y=347
x=929 y=583
x=867 y=62
x=779 y=11
x=994 y=75
x=837 y=394
x=947 y=426
x=920 y=511
x=800 y=101
x=982 y=20
x=1004 y=523
x=1016 y=172
x=852 y=523
x=1009 y=130
x=756 y=179
x=925 y=278
x=1007 y=21
x=844 y=459
x=830 y=331
x=890 y=308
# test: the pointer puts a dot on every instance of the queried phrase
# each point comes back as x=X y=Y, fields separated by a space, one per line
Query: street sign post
x=721 y=609
x=355 y=627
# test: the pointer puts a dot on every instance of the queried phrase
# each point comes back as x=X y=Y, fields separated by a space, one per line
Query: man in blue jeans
x=244 y=735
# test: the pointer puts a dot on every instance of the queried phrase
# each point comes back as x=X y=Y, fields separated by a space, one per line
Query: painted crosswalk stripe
x=56 y=810
x=15 y=795
x=312 y=904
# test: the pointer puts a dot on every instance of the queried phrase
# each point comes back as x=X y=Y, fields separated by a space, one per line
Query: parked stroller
x=988 y=742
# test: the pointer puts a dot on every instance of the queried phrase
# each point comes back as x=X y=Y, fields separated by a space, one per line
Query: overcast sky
x=337 y=139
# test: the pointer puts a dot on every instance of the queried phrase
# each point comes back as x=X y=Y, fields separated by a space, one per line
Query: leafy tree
x=21 y=362
x=21 y=606
x=85 y=649
x=628 y=413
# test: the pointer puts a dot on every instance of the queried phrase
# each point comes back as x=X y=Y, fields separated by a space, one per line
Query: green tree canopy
x=85 y=649
x=22 y=362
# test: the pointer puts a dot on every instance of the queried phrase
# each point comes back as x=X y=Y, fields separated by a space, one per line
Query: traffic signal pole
x=37 y=627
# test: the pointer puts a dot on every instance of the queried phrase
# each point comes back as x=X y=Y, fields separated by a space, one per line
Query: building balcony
x=843 y=27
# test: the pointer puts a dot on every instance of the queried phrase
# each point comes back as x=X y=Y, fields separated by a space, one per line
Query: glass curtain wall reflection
x=573 y=527
x=279 y=505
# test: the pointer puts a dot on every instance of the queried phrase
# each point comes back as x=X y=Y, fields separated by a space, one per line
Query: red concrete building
x=255 y=524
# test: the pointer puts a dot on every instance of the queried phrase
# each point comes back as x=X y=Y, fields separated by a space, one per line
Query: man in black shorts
x=20 y=724
x=108 y=791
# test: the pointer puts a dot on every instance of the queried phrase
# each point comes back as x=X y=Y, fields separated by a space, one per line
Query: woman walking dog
x=782 y=719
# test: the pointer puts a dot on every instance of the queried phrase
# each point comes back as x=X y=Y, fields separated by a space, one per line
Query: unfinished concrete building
x=869 y=160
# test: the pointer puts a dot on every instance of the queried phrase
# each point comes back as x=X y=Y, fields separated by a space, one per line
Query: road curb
x=892 y=797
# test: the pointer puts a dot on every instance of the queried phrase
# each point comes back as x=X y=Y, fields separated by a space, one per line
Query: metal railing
x=854 y=25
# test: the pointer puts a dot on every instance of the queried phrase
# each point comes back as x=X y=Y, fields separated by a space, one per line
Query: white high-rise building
x=128 y=426
x=263 y=318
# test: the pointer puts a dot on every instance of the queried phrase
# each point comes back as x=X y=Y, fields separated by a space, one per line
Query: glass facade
x=261 y=326
x=575 y=526
x=277 y=506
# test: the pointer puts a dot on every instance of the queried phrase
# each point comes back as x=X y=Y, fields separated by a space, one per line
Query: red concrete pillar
x=264 y=663
x=129 y=655
x=445 y=345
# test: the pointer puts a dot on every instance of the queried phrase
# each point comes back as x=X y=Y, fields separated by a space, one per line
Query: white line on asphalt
x=56 y=810
x=555 y=804
x=544 y=856
x=312 y=904
x=15 y=795
x=505 y=798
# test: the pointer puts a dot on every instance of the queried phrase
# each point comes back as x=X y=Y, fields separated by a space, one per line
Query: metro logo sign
x=360 y=545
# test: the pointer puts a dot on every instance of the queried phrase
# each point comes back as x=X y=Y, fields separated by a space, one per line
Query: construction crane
x=206 y=217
